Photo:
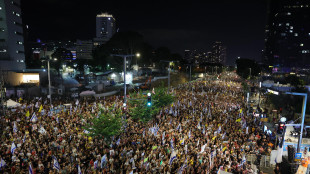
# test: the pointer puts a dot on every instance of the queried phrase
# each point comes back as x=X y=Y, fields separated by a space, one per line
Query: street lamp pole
x=124 y=57
x=49 y=81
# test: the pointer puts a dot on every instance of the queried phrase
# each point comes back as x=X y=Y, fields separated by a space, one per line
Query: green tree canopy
x=108 y=124
x=140 y=111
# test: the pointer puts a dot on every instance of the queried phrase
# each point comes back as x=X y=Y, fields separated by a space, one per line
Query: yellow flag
x=41 y=107
x=213 y=138
x=27 y=114
x=238 y=120
x=240 y=111
x=224 y=149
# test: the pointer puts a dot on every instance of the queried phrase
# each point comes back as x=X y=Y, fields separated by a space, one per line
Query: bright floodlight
x=149 y=94
x=138 y=54
x=283 y=119
x=55 y=59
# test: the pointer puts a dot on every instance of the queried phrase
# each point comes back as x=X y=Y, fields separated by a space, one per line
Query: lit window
x=288 y=13
x=291 y=27
x=301 y=44
x=295 y=34
x=19 y=43
x=283 y=34
x=291 y=31
x=21 y=60
x=280 y=25
x=0 y=8
x=3 y=51
x=287 y=24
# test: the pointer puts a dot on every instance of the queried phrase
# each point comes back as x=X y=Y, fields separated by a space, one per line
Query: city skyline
x=239 y=25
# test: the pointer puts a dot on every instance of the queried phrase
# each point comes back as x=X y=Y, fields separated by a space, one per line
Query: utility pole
x=168 y=71
x=124 y=57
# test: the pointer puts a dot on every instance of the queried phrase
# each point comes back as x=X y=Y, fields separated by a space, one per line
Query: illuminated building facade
x=287 y=42
x=12 y=56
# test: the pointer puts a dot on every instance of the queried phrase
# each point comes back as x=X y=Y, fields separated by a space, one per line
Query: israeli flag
x=86 y=131
x=77 y=102
x=34 y=118
x=56 y=164
x=2 y=163
x=278 y=158
x=103 y=160
x=14 y=127
x=189 y=134
x=171 y=143
x=247 y=130
x=96 y=164
x=198 y=126
x=179 y=126
x=118 y=141
x=57 y=119
x=30 y=169
x=42 y=130
x=219 y=129
x=183 y=167
x=163 y=138
x=24 y=139
x=172 y=157
x=79 y=169
x=13 y=148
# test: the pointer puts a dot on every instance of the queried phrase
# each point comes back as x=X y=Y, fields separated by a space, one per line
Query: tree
x=247 y=67
x=108 y=124
x=138 y=108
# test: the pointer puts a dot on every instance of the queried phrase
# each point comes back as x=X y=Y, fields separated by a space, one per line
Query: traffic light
x=281 y=127
x=149 y=99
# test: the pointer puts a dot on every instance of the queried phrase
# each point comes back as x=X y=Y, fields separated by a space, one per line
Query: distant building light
x=291 y=27
x=287 y=24
x=288 y=13
x=296 y=34
x=291 y=31
x=301 y=44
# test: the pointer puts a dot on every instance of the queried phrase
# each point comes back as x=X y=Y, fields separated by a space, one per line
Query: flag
x=171 y=144
x=79 y=169
x=189 y=134
x=96 y=164
x=247 y=130
x=86 y=131
x=118 y=141
x=203 y=148
x=2 y=163
x=34 y=118
x=42 y=130
x=30 y=169
x=103 y=160
x=223 y=136
x=57 y=119
x=238 y=120
x=77 y=102
x=182 y=141
x=131 y=172
x=41 y=107
x=13 y=148
x=56 y=164
x=153 y=91
x=14 y=127
x=183 y=167
x=172 y=157
x=27 y=114
x=24 y=138
x=163 y=138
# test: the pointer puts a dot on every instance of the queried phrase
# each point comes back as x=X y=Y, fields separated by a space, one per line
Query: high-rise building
x=105 y=28
x=218 y=53
x=84 y=49
x=12 y=55
x=287 y=42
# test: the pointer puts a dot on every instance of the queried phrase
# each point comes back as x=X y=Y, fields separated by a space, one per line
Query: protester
x=205 y=130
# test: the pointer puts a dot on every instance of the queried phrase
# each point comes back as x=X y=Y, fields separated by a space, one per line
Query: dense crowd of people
x=205 y=130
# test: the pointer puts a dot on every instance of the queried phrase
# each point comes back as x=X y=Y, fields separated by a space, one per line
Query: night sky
x=239 y=24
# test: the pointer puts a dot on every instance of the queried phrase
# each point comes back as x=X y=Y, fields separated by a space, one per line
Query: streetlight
x=124 y=57
x=47 y=58
x=138 y=56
